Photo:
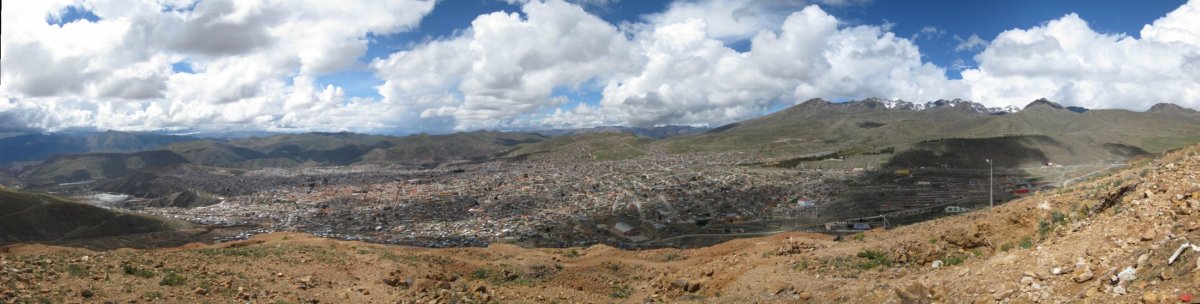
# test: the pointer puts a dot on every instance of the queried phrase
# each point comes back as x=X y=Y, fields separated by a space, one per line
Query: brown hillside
x=1070 y=245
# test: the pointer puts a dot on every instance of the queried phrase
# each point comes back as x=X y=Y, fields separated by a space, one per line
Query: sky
x=412 y=66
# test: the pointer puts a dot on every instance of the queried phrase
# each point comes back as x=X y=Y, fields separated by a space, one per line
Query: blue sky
x=988 y=18
x=253 y=65
x=985 y=19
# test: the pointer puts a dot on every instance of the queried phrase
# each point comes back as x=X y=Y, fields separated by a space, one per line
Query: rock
x=1166 y=275
x=1026 y=281
x=200 y=291
x=915 y=293
x=1143 y=260
x=1120 y=290
x=1057 y=271
x=1150 y=298
x=1127 y=275
x=305 y=282
x=805 y=295
x=983 y=299
x=937 y=264
x=781 y=288
x=680 y=284
x=1003 y=294
x=1149 y=235
x=1082 y=274
x=480 y=289
x=424 y=285
x=693 y=287
x=86 y=293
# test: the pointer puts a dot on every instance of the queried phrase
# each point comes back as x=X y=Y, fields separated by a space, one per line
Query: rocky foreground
x=1124 y=238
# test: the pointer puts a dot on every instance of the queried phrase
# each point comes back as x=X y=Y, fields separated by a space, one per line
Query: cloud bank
x=253 y=65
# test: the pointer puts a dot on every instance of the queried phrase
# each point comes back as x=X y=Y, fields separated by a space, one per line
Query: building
x=804 y=202
x=956 y=209
x=622 y=228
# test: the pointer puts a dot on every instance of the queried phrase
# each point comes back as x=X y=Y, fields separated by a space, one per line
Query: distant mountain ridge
x=1043 y=128
x=1065 y=134
x=39 y=146
x=942 y=103
x=281 y=151
x=658 y=132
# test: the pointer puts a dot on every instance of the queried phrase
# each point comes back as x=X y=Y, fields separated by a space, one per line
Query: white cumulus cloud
x=116 y=72
x=255 y=64
x=1067 y=61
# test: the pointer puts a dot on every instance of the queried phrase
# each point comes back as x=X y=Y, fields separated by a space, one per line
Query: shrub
x=77 y=270
x=621 y=291
x=1027 y=242
x=172 y=279
x=1058 y=218
x=954 y=260
x=481 y=273
x=135 y=271
x=872 y=259
x=152 y=295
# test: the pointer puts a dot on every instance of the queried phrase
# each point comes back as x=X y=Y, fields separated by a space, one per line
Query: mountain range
x=942 y=132
x=39 y=146
x=1061 y=134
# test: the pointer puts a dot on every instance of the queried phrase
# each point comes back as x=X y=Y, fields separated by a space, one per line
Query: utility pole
x=991 y=176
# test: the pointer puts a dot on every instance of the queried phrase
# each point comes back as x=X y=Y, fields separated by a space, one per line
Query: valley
x=480 y=188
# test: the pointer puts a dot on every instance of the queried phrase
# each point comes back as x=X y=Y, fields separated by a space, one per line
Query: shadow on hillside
x=973 y=153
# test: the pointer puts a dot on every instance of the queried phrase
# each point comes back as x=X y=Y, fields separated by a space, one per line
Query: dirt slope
x=1069 y=245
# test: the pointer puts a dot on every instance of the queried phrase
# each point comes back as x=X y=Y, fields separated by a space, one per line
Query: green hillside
x=822 y=127
x=28 y=217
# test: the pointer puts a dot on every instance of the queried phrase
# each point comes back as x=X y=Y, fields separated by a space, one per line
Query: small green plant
x=952 y=260
x=152 y=295
x=614 y=267
x=802 y=266
x=136 y=271
x=1027 y=242
x=1058 y=218
x=1044 y=227
x=481 y=273
x=1006 y=246
x=572 y=253
x=859 y=237
x=172 y=279
x=872 y=259
x=78 y=271
x=621 y=291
